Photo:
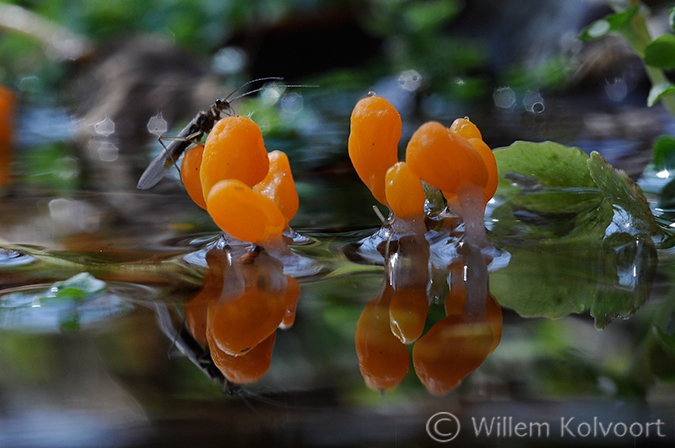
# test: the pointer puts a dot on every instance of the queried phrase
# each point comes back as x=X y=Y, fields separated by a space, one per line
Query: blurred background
x=99 y=71
x=87 y=87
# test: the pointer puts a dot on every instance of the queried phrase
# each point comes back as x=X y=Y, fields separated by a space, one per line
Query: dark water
x=123 y=366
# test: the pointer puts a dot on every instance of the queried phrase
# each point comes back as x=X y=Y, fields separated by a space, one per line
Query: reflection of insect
x=191 y=134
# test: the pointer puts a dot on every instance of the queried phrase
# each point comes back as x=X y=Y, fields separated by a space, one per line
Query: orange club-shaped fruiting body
x=243 y=213
x=404 y=192
x=279 y=185
x=444 y=159
x=189 y=172
x=375 y=131
x=234 y=149
x=465 y=128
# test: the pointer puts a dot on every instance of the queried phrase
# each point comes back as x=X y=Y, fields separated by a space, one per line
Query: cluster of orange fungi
x=251 y=195
x=234 y=171
x=455 y=161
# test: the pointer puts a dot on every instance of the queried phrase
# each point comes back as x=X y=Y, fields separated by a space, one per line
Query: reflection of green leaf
x=665 y=329
x=79 y=287
x=629 y=267
x=611 y=278
x=592 y=227
x=551 y=281
x=662 y=362
x=660 y=52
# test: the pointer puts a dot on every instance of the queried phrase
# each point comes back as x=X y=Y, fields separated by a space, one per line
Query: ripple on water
x=10 y=257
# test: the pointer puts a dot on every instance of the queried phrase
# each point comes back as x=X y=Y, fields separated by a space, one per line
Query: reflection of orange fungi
x=449 y=351
x=454 y=301
x=195 y=309
x=195 y=316
x=7 y=103
x=291 y=300
x=238 y=310
x=408 y=312
x=246 y=368
x=454 y=305
x=238 y=324
x=383 y=359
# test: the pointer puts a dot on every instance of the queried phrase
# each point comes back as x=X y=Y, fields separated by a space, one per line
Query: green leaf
x=619 y=23
x=546 y=190
x=632 y=213
x=658 y=91
x=550 y=164
x=671 y=18
x=660 y=52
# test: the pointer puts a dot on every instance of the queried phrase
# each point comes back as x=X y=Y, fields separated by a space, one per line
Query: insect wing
x=155 y=171
x=167 y=158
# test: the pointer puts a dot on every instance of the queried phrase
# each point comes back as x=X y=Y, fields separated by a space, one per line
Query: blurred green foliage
x=199 y=24
x=415 y=33
x=416 y=37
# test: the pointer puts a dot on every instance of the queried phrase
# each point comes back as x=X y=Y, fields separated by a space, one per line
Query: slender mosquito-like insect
x=192 y=134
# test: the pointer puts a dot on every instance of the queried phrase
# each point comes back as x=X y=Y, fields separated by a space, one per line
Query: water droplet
x=229 y=60
x=292 y=103
x=410 y=80
x=105 y=127
x=534 y=103
x=157 y=125
x=504 y=97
